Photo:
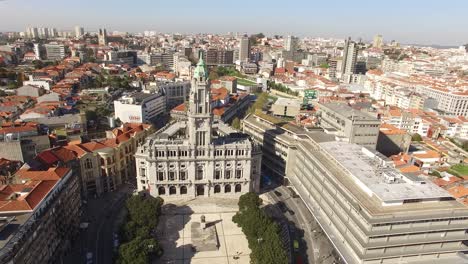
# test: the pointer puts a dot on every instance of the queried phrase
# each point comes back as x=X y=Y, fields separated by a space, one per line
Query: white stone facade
x=198 y=157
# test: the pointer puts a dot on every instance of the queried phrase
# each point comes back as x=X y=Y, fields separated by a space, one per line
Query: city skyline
x=426 y=24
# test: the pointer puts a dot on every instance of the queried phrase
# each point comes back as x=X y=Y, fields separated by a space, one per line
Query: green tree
x=138 y=251
x=144 y=211
x=261 y=232
x=416 y=137
x=324 y=65
x=236 y=123
x=213 y=75
x=38 y=64
x=91 y=115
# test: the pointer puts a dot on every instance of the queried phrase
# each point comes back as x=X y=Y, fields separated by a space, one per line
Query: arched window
x=217 y=189
x=227 y=188
x=172 y=190
x=161 y=190
x=238 y=188
x=183 y=190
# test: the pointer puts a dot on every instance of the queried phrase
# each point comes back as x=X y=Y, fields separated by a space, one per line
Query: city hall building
x=197 y=156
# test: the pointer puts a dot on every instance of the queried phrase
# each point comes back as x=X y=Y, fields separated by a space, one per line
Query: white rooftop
x=370 y=172
x=288 y=102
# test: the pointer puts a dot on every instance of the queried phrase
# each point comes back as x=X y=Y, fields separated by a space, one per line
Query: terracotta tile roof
x=47 y=157
x=79 y=152
x=180 y=108
x=429 y=154
x=458 y=191
x=64 y=154
x=39 y=193
x=48 y=175
x=389 y=129
x=409 y=169
x=446 y=181
x=92 y=146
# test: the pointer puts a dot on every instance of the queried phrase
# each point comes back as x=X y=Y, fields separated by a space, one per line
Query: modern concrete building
x=219 y=57
x=372 y=213
x=291 y=43
x=286 y=107
x=139 y=107
x=197 y=157
x=392 y=140
x=369 y=211
x=350 y=53
x=55 y=51
x=176 y=93
x=122 y=57
x=244 y=49
x=348 y=124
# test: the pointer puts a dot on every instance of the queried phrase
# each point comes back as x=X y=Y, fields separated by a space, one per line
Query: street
x=102 y=215
x=313 y=245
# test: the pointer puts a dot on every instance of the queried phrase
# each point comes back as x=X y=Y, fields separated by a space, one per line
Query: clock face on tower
x=199 y=123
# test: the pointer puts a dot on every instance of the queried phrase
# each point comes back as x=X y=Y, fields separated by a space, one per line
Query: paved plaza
x=175 y=236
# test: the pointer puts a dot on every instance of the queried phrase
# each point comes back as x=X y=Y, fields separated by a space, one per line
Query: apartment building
x=348 y=124
x=39 y=216
x=448 y=102
x=106 y=164
x=411 y=121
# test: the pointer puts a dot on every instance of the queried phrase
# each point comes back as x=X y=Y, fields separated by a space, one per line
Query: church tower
x=199 y=114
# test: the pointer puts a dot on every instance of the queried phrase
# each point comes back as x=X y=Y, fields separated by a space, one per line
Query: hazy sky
x=408 y=21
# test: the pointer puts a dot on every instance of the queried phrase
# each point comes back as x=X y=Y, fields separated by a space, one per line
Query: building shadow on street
x=172 y=235
x=289 y=232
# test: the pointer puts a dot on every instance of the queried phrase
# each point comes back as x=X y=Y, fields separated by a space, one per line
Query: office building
x=219 y=57
x=244 y=49
x=122 y=57
x=369 y=211
x=102 y=37
x=348 y=124
x=32 y=32
x=291 y=43
x=176 y=93
x=378 y=42
x=286 y=107
x=79 y=31
x=197 y=157
x=54 y=51
x=139 y=107
x=38 y=51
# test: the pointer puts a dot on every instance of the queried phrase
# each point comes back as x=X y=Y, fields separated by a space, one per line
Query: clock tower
x=199 y=113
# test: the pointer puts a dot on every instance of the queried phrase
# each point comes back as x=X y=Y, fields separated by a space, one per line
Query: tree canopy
x=236 y=123
x=261 y=232
x=139 y=244
x=416 y=137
